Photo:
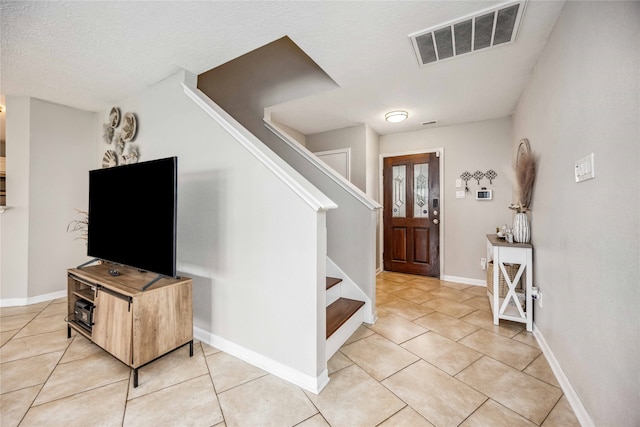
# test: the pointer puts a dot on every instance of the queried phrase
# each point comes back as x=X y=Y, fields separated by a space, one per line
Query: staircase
x=344 y=316
x=347 y=233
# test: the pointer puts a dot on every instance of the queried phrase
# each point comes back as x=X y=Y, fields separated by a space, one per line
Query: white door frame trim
x=346 y=151
x=440 y=152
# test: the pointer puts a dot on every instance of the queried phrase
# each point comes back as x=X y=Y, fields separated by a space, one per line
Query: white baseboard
x=457 y=279
x=465 y=280
x=12 y=302
x=576 y=404
x=307 y=382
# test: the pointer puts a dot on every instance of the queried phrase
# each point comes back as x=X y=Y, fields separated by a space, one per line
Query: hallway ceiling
x=92 y=55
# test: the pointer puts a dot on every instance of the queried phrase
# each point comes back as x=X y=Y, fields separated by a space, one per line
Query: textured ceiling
x=91 y=55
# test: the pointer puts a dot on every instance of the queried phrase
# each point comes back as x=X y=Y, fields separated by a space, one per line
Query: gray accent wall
x=582 y=98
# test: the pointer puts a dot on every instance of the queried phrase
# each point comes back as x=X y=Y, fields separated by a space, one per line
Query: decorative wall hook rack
x=478 y=175
x=466 y=176
x=491 y=175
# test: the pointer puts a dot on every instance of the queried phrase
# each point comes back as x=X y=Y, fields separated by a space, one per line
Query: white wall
x=352 y=137
x=372 y=147
x=49 y=152
x=365 y=148
x=468 y=147
x=238 y=225
x=14 y=223
x=60 y=155
x=583 y=98
x=3 y=118
x=373 y=189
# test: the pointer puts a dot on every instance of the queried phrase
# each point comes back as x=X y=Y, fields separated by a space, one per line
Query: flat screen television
x=133 y=215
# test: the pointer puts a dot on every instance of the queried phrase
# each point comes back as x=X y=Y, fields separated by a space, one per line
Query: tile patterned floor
x=434 y=358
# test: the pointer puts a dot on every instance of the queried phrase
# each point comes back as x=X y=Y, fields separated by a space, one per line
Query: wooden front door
x=411 y=214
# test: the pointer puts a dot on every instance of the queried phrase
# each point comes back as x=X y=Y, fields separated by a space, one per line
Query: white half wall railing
x=248 y=305
x=351 y=229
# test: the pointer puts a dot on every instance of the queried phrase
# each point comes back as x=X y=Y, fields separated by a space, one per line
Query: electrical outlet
x=536 y=295
x=483 y=263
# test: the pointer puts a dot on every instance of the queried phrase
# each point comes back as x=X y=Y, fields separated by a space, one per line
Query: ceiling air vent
x=490 y=27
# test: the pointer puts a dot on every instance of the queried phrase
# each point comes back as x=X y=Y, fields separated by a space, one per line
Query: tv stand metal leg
x=191 y=348
x=68 y=331
x=135 y=377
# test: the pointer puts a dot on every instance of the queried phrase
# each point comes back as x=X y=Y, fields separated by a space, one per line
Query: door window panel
x=421 y=190
x=399 y=191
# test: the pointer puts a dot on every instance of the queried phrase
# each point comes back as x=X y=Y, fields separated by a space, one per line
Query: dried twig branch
x=80 y=225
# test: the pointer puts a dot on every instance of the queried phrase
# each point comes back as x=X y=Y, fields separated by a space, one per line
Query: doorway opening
x=411 y=226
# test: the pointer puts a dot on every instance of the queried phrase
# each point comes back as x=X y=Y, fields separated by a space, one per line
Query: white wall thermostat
x=484 y=194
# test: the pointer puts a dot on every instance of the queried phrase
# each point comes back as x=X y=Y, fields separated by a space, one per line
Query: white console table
x=509 y=308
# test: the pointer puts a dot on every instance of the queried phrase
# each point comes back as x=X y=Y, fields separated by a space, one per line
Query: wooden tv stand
x=136 y=326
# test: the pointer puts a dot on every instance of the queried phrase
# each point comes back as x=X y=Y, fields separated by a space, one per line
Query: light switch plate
x=584 y=168
x=460 y=194
x=458 y=183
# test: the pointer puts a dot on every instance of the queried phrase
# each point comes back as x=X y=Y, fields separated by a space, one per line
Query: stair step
x=332 y=281
x=339 y=312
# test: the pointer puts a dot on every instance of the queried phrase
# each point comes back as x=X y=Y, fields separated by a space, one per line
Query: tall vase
x=521 y=229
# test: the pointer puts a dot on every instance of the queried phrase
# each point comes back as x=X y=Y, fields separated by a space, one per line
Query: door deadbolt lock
x=435 y=212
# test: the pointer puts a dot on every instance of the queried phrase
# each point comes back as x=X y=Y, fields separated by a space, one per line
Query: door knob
x=435 y=221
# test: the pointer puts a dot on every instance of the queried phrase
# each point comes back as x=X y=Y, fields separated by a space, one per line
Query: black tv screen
x=133 y=213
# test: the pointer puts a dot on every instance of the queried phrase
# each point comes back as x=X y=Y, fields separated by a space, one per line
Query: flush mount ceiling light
x=396 y=116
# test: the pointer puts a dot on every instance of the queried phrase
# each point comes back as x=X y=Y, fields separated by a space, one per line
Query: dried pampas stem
x=526 y=176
